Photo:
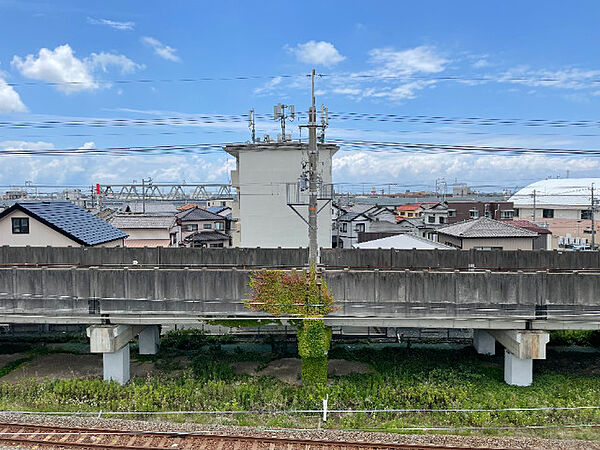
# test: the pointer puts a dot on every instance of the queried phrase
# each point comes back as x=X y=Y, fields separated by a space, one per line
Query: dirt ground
x=66 y=366
x=288 y=369
x=7 y=359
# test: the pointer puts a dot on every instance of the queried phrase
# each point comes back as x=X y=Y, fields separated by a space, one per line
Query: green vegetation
x=298 y=294
x=585 y=338
x=202 y=378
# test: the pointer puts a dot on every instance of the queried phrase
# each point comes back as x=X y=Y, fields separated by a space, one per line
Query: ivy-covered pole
x=299 y=295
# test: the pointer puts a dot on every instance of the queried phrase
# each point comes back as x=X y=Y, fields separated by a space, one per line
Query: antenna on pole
x=252 y=124
x=279 y=113
x=324 y=122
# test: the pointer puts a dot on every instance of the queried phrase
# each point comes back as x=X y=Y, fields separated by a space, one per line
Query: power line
x=203 y=119
x=343 y=76
x=347 y=145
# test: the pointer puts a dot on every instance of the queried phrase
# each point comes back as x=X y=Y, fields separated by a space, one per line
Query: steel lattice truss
x=166 y=191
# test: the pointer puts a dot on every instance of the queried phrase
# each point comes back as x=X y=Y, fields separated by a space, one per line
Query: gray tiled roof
x=147 y=222
x=70 y=220
x=485 y=228
x=198 y=214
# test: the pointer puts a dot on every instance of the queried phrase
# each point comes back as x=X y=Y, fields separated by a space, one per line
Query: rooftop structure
x=567 y=192
x=403 y=241
x=272 y=201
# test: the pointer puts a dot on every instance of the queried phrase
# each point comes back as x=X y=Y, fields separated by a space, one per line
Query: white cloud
x=320 y=53
x=57 y=66
x=162 y=50
x=413 y=167
x=481 y=63
x=103 y=60
x=390 y=62
x=128 y=26
x=389 y=66
x=568 y=78
x=25 y=145
x=268 y=87
x=70 y=73
x=9 y=99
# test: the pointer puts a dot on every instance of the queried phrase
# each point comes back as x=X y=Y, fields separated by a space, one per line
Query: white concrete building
x=563 y=206
x=270 y=199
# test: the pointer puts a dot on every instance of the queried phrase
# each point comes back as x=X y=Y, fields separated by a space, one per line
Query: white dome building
x=562 y=205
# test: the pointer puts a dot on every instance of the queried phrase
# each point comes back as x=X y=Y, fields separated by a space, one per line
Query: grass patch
x=415 y=378
x=14 y=365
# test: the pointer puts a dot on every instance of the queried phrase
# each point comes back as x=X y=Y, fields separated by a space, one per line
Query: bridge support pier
x=517 y=371
x=521 y=348
x=484 y=342
x=148 y=340
x=116 y=365
x=113 y=342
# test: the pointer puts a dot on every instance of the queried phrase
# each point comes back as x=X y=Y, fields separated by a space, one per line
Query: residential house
x=56 y=224
x=461 y=210
x=144 y=231
x=436 y=215
x=486 y=234
x=545 y=239
x=199 y=227
x=410 y=210
x=349 y=225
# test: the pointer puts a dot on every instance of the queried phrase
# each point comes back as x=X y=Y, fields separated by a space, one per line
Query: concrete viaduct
x=510 y=297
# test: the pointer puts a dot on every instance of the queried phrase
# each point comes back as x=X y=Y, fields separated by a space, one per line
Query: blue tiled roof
x=72 y=221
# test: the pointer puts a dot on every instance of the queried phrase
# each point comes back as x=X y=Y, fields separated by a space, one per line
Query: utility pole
x=313 y=161
x=534 y=205
x=252 y=124
x=593 y=221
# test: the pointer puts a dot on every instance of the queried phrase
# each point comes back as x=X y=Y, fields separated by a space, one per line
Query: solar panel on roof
x=74 y=221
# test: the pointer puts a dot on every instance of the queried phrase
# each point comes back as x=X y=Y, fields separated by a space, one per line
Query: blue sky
x=514 y=59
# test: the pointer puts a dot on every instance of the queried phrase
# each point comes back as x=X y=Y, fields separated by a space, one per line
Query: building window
x=474 y=214
x=20 y=225
x=548 y=213
x=191 y=227
x=207 y=226
x=516 y=212
x=220 y=244
x=451 y=213
x=586 y=214
x=442 y=219
x=507 y=214
x=431 y=219
x=360 y=227
x=219 y=226
x=344 y=227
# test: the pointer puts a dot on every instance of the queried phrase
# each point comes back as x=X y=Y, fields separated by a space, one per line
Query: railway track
x=37 y=436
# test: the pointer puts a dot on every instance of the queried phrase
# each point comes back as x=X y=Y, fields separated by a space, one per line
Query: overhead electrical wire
x=502 y=78
x=202 y=119
x=347 y=145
